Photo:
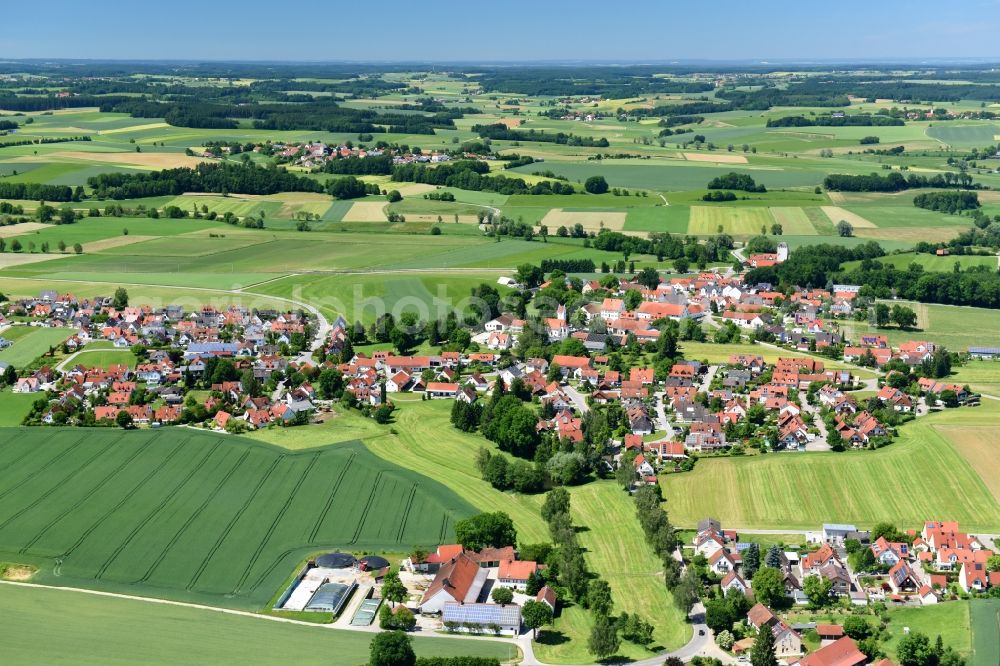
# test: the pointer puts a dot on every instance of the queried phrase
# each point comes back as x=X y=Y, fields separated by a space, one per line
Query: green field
x=803 y=491
x=985 y=618
x=706 y=220
x=131 y=632
x=198 y=516
x=30 y=343
x=955 y=327
x=930 y=262
x=949 y=620
x=14 y=407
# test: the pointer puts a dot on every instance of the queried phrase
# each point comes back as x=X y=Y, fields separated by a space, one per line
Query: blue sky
x=449 y=30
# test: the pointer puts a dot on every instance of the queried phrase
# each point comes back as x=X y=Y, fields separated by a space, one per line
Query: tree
x=394 y=196
x=725 y=639
x=649 y=278
x=882 y=315
x=535 y=614
x=993 y=563
x=856 y=627
x=817 y=588
x=718 y=615
x=685 y=593
x=751 y=560
x=124 y=420
x=903 y=316
x=502 y=595
x=844 y=229
x=77 y=248
x=596 y=185
x=391 y=648
x=914 y=649
x=599 y=597
x=603 y=641
x=486 y=530
x=762 y=652
x=393 y=589
x=121 y=298
x=768 y=585
x=556 y=502
x=681 y=265
x=773 y=557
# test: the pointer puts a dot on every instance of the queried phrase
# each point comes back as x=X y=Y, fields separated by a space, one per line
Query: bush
x=596 y=185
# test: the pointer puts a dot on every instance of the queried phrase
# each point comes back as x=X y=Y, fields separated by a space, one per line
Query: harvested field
x=915 y=234
x=510 y=122
x=366 y=211
x=592 y=220
x=413 y=189
x=722 y=158
x=133 y=128
x=8 y=259
x=115 y=241
x=12 y=230
x=147 y=160
x=836 y=214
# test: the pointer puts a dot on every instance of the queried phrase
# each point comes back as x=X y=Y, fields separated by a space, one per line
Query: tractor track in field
x=155 y=510
x=41 y=498
x=277 y=520
x=110 y=512
x=329 y=500
x=56 y=458
x=229 y=527
x=192 y=517
x=90 y=493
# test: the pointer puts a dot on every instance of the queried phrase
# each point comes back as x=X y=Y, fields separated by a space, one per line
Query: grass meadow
x=863 y=487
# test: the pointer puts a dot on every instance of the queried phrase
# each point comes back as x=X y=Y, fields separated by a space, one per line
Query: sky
x=509 y=30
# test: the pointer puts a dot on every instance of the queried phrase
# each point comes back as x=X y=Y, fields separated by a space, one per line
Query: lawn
x=104 y=358
x=985 y=616
x=983 y=376
x=949 y=620
x=802 y=491
x=103 y=631
x=203 y=517
x=31 y=344
x=14 y=407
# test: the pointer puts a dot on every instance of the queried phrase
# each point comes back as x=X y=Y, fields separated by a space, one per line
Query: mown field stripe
x=155 y=510
x=90 y=493
x=222 y=537
x=406 y=512
x=124 y=500
x=277 y=520
x=194 y=515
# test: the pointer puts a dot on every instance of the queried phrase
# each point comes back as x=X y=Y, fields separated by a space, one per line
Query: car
x=701 y=632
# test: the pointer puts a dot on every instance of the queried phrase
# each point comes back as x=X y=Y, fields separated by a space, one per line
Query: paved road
x=661 y=413
x=578 y=399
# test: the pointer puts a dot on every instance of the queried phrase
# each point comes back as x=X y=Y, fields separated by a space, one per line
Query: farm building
x=508 y=617
x=460 y=580
x=984 y=353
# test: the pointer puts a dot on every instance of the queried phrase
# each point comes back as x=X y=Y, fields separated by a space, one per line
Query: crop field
x=930 y=262
x=706 y=220
x=14 y=407
x=670 y=219
x=982 y=376
x=802 y=491
x=207 y=517
x=985 y=621
x=980 y=446
x=131 y=632
x=589 y=220
x=794 y=221
x=30 y=343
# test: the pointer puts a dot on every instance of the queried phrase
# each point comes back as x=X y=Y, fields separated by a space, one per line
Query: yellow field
x=366 y=211
x=929 y=234
x=721 y=158
x=591 y=220
x=150 y=160
x=793 y=221
x=980 y=446
x=739 y=221
x=114 y=241
x=133 y=128
x=9 y=259
x=836 y=214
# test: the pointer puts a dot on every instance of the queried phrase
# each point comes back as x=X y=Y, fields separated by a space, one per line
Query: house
x=836 y=533
x=441 y=390
x=722 y=562
x=973 y=577
x=927 y=595
x=733 y=581
x=708 y=543
x=841 y=652
x=642 y=466
x=889 y=553
x=460 y=580
x=547 y=596
x=514 y=574
x=433 y=562
x=903 y=579
x=787 y=641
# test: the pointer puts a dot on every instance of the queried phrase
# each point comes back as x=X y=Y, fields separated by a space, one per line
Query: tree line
x=947 y=202
x=897 y=182
x=470 y=175
x=500 y=132
x=846 y=120
x=216 y=177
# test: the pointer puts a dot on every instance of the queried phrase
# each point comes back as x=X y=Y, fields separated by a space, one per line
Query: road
x=579 y=401
x=661 y=413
